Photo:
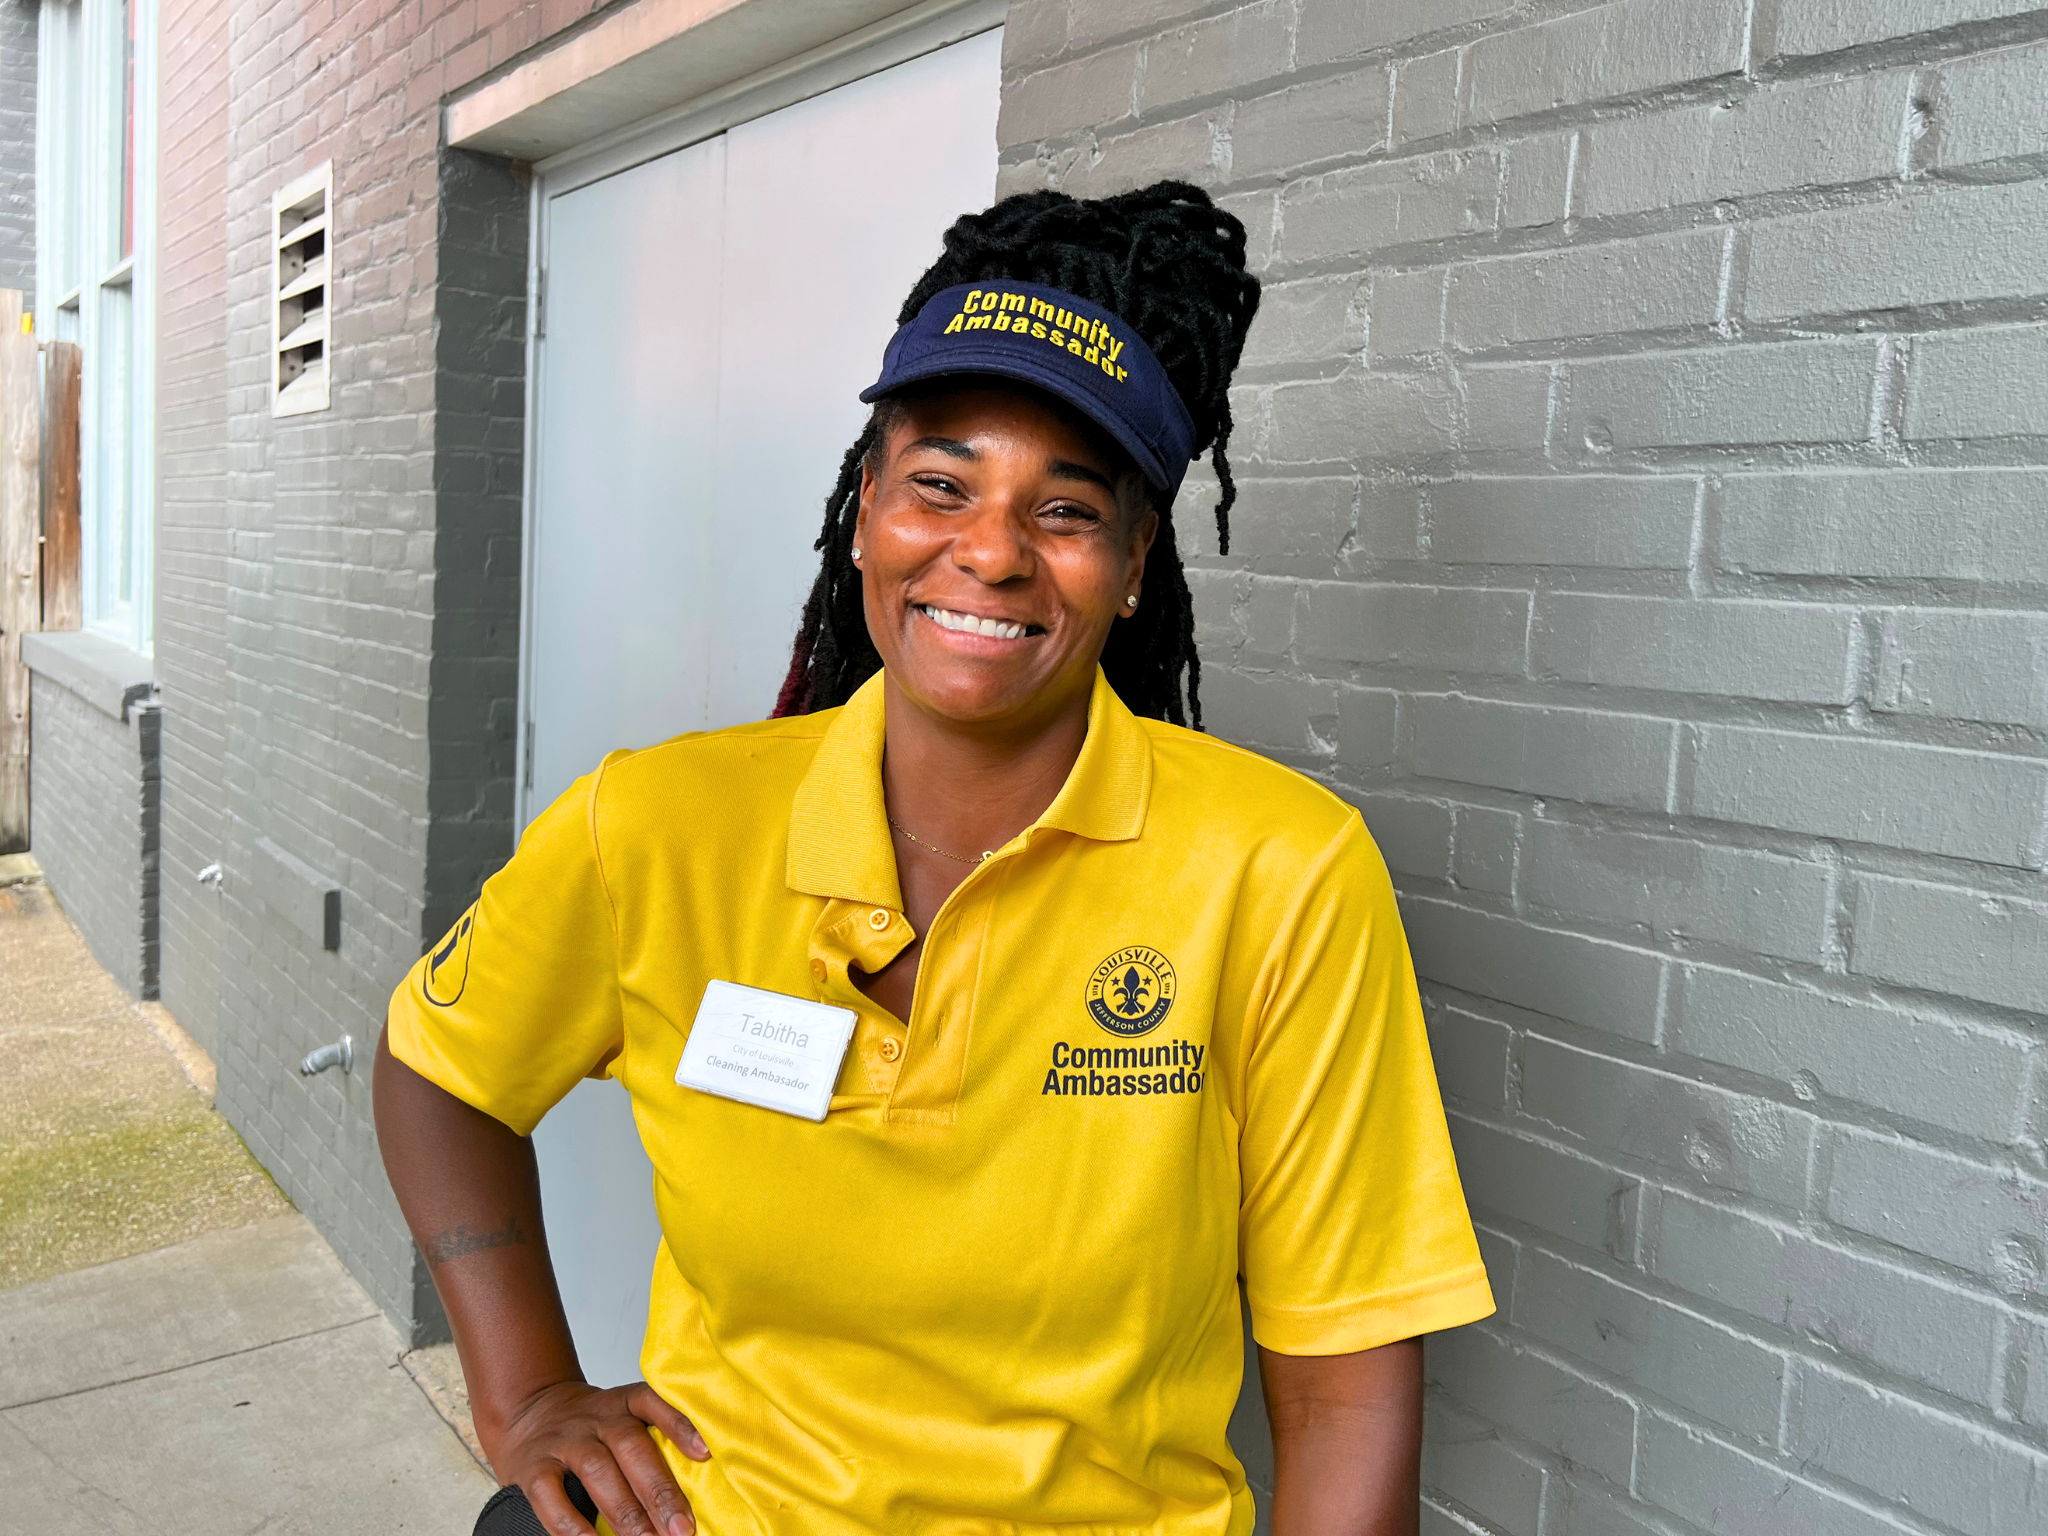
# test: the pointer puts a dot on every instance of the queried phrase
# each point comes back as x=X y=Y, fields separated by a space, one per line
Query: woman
x=982 y=1023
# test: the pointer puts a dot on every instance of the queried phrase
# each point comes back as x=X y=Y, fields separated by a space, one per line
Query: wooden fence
x=39 y=531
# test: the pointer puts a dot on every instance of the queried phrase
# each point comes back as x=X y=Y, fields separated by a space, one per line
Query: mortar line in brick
x=1888 y=394
x=1839 y=938
x=1939 y=45
x=1574 y=186
x=1745 y=212
x=1462 y=1521
x=2006 y=882
x=1419 y=45
x=1919 y=127
x=2009 y=1368
x=1797 y=1348
x=1660 y=1026
x=1822 y=1110
x=1908 y=1261
x=1891 y=1516
x=1704 y=336
x=1680 y=771
x=1109 y=42
x=1866 y=660
x=1775 y=1340
x=1787 y=1404
x=2026 y=1438
x=1814 y=454
x=1562 y=1475
x=1826 y=720
x=1733 y=279
x=1477 y=139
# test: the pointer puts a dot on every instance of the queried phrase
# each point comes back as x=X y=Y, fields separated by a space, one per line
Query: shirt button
x=891 y=1048
x=818 y=969
x=878 y=919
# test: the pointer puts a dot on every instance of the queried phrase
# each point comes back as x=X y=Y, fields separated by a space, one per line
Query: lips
x=971 y=624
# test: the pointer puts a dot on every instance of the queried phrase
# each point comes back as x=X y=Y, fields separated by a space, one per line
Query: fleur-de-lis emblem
x=1131 y=990
x=1130 y=994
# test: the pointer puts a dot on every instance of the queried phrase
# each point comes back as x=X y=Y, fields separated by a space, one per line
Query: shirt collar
x=839 y=830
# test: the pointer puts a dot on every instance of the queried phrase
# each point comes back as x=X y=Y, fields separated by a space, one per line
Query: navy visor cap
x=1068 y=347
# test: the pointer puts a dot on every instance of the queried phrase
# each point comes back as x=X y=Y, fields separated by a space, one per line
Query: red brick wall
x=470 y=38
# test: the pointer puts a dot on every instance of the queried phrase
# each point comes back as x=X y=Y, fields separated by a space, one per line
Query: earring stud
x=856 y=552
x=1130 y=602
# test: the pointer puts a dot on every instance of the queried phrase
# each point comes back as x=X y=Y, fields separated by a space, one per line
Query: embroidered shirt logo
x=448 y=967
x=1131 y=991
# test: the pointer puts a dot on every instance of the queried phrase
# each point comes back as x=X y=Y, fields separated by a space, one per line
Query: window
x=95 y=279
x=301 y=286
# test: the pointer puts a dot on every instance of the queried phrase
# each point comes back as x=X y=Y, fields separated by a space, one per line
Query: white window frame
x=78 y=283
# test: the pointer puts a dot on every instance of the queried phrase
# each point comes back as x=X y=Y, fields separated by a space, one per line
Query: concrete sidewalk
x=109 y=1146
x=180 y=1352
x=241 y=1382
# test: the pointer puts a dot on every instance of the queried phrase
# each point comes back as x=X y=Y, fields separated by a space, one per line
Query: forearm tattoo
x=457 y=1241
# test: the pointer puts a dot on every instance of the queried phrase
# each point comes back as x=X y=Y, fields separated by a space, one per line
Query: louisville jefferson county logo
x=1131 y=991
x=448 y=966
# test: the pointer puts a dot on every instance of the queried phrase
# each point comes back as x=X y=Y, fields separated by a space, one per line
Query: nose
x=991 y=545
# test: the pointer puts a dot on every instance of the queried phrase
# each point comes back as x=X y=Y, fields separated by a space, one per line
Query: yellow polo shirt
x=1165 y=1037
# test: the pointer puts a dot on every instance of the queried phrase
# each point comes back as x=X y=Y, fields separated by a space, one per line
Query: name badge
x=766 y=1049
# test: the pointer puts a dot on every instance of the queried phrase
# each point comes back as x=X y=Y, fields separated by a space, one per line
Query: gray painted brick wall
x=1644 y=455
x=301 y=570
x=479 y=425
x=192 y=522
x=18 y=147
x=95 y=824
x=338 y=620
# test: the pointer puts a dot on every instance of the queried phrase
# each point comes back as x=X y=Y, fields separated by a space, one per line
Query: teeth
x=968 y=624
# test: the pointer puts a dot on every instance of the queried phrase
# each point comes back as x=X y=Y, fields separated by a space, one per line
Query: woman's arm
x=470 y=1190
x=1347 y=1441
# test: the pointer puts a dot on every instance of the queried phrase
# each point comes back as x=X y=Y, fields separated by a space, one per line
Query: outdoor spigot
x=341 y=1054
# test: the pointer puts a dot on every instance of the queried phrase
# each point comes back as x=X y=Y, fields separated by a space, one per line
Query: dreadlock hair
x=1170 y=263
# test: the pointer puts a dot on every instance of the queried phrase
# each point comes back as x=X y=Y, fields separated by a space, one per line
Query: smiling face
x=1000 y=537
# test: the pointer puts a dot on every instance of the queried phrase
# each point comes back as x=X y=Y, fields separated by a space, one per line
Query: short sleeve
x=1353 y=1227
x=520 y=999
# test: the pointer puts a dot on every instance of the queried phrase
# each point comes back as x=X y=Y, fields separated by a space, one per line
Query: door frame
x=911 y=34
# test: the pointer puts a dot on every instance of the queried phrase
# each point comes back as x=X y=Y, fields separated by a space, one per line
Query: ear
x=1142 y=535
x=867 y=502
x=1143 y=532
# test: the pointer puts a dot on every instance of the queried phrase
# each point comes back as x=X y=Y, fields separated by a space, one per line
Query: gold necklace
x=957 y=858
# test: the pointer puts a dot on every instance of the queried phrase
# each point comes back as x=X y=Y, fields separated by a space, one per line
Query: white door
x=624 y=488
x=711 y=317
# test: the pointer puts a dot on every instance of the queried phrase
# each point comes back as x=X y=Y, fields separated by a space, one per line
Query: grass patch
x=130 y=1184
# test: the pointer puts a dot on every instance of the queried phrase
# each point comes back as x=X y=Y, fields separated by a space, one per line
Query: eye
x=938 y=484
x=1072 y=512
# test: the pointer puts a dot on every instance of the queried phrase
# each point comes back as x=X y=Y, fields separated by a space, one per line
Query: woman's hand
x=599 y=1434
x=470 y=1190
